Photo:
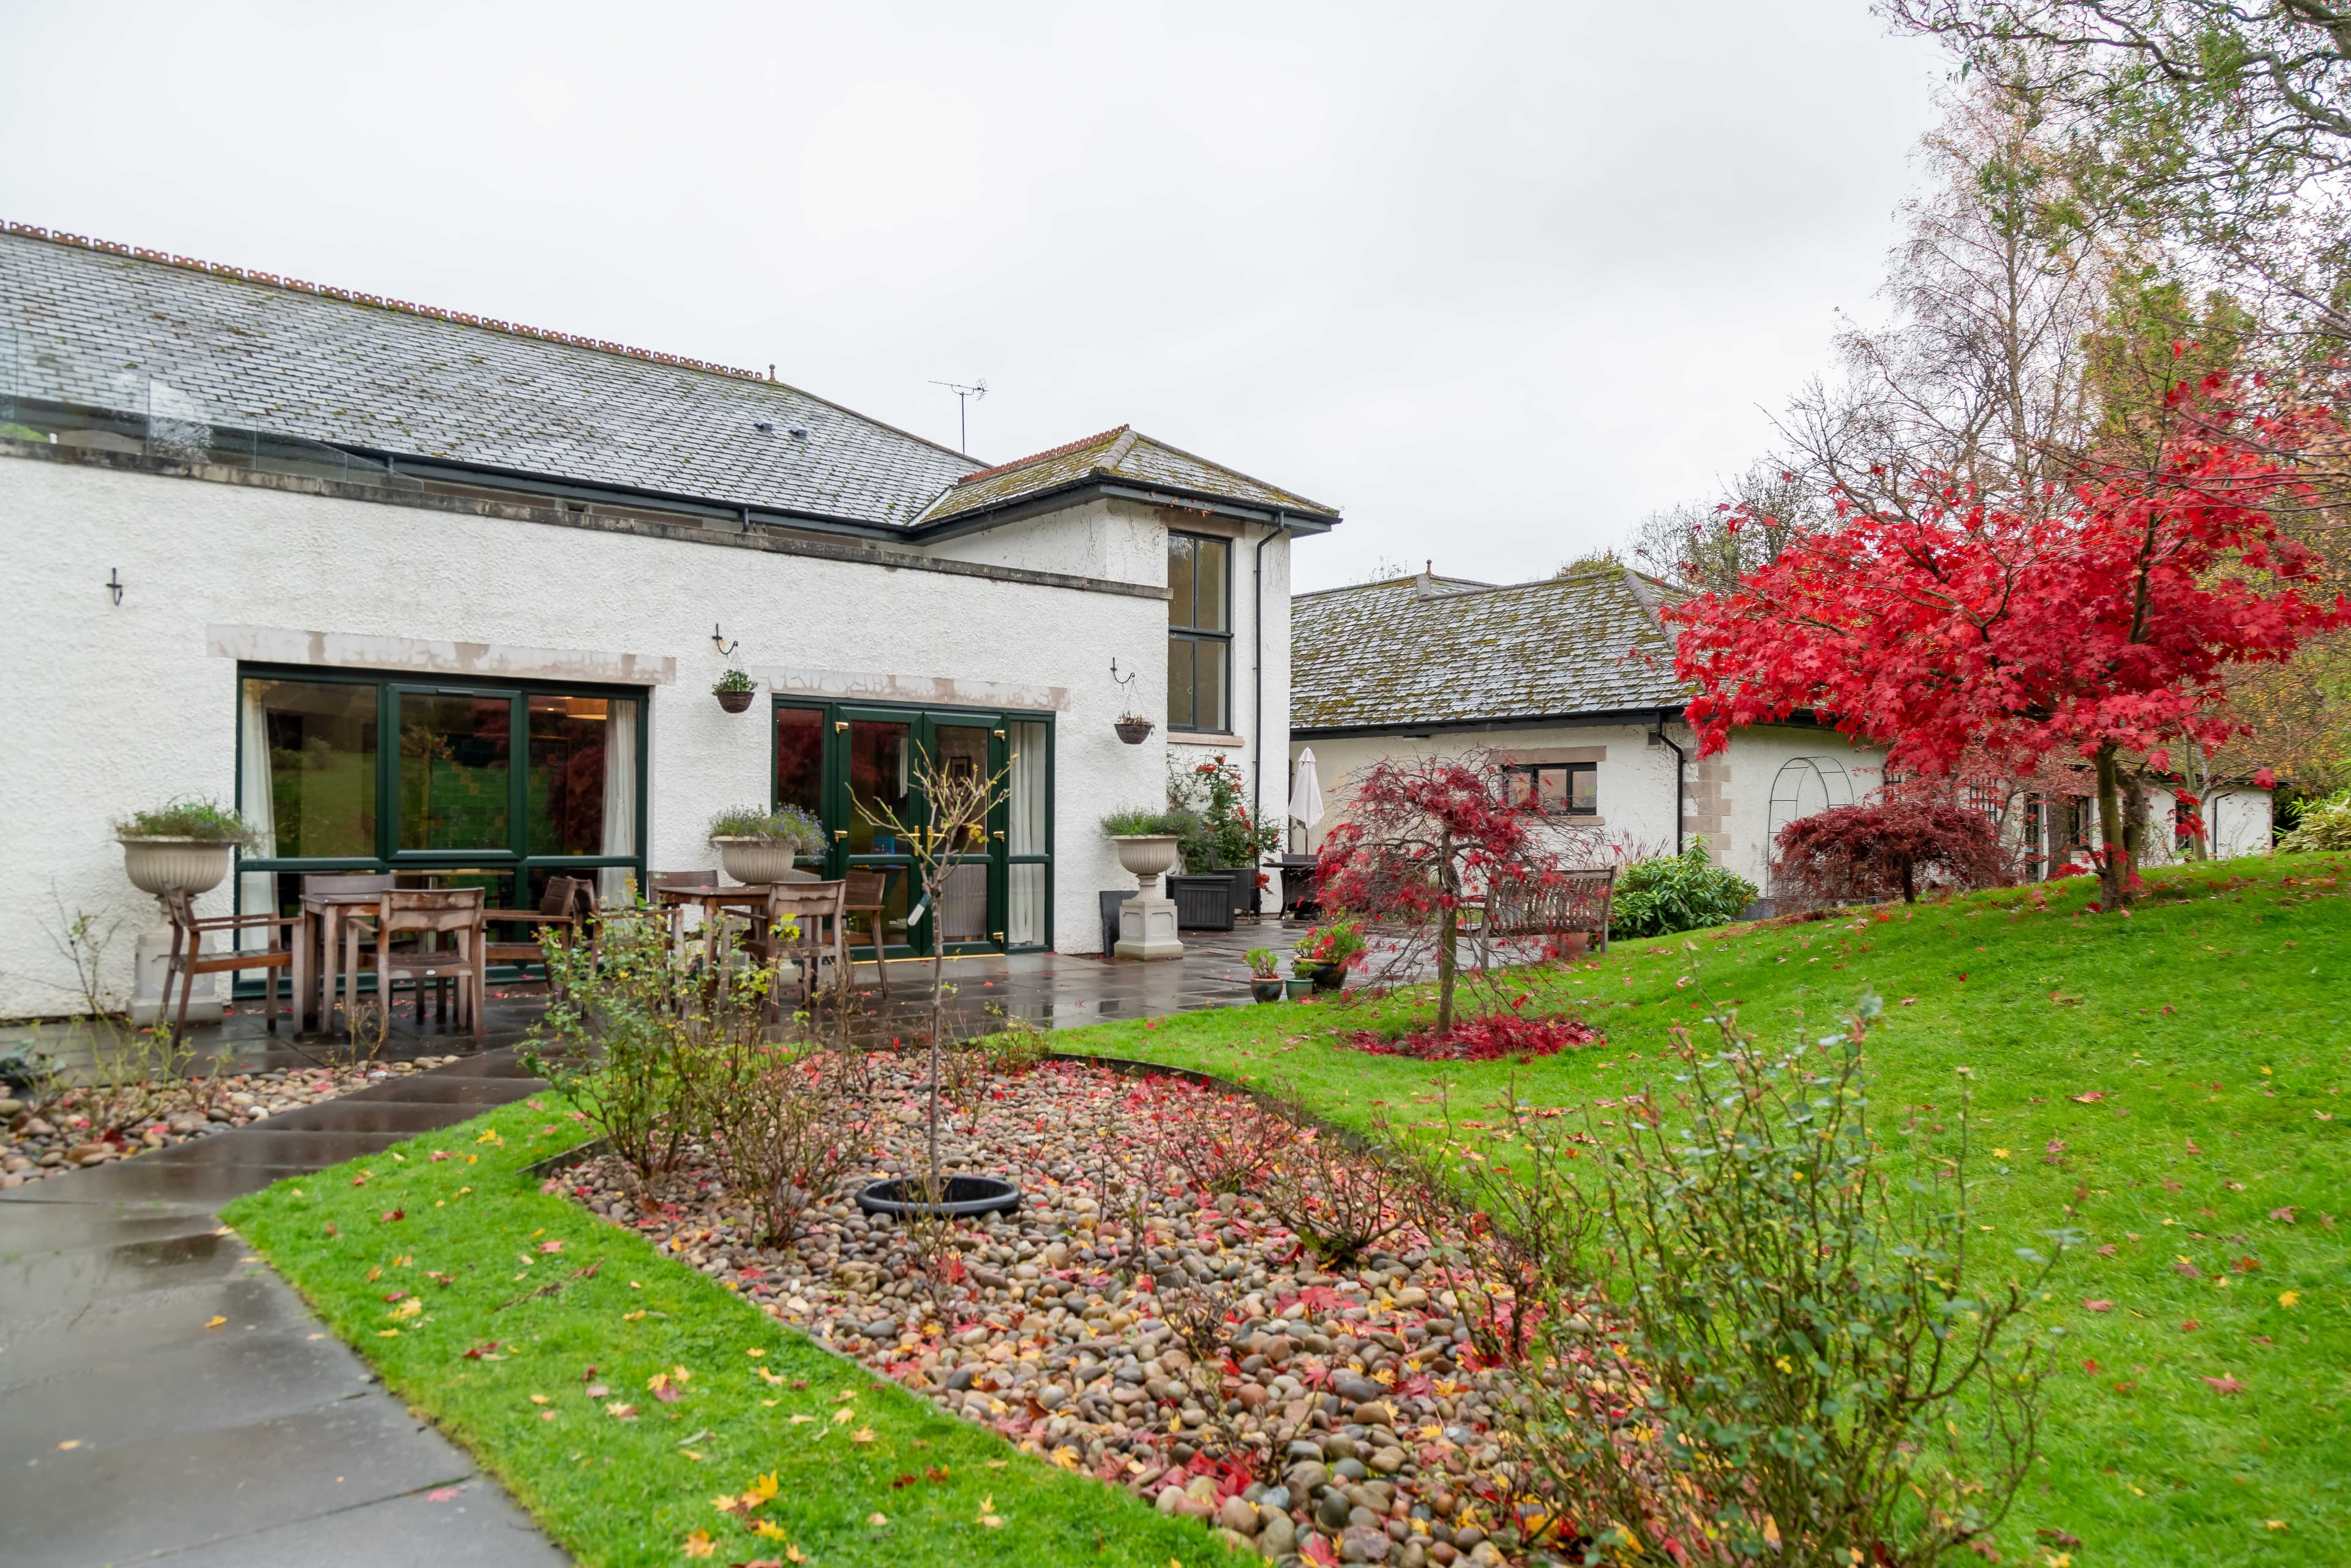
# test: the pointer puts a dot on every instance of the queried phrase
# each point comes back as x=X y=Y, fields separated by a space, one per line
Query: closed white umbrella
x=1306 y=791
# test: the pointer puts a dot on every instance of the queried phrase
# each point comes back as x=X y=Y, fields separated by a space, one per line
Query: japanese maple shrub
x=2095 y=622
x=1882 y=851
x=1422 y=836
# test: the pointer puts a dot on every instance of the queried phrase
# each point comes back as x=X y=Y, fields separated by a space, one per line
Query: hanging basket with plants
x=733 y=691
x=1134 y=729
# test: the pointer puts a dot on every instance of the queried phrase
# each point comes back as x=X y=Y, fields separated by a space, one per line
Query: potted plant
x=1134 y=729
x=1147 y=842
x=1328 y=953
x=1228 y=838
x=733 y=691
x=186 y=844
x=758 y=846
x=1264 y=976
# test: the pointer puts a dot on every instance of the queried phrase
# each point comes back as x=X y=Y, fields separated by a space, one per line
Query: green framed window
x=849 y=764
x=1555 y=789
x=498 y=785
x=1199 y=631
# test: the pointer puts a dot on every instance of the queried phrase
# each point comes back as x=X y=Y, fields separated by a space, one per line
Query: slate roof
x=93 y=322
x=1123 y=454
x=1425 y=651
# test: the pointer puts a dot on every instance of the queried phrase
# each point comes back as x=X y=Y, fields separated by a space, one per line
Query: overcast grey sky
x=1496 y=280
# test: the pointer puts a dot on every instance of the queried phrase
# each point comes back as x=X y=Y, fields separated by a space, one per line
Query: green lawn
x=2174 y=1075
x=558 y=1302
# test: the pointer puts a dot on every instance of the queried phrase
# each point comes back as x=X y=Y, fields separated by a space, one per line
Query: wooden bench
x=1575 y=901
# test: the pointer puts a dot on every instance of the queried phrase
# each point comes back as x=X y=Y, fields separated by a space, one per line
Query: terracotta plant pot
x=733 y=702
x=1134 y=731
x=157 y=865
x=1267 y=988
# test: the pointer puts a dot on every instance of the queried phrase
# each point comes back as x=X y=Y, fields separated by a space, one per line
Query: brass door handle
x=838 y=834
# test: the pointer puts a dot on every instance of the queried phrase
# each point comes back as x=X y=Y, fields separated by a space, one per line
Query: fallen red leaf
x=391 y=1214
x=2225 y=1384
x=2099 y=1306
x=2090 y=1098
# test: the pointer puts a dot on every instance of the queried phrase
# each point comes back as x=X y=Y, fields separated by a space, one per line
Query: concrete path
x=130 y=1432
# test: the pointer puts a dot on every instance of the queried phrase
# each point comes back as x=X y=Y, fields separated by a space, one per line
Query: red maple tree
x=2101 y=621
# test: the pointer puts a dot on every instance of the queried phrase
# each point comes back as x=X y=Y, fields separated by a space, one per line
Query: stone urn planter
x=1146 y=923
x=156 y=866
x=756 y=862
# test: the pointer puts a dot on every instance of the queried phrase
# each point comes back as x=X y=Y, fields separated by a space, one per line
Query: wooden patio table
x=711 y=901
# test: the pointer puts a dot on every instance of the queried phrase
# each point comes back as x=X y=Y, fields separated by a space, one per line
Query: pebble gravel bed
x=1357 y=1388
x=57 y=1138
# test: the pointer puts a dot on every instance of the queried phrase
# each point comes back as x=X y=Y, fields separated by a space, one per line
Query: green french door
x=859 y=769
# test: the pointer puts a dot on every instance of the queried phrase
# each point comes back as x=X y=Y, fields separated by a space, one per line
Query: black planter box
x=1203 y=902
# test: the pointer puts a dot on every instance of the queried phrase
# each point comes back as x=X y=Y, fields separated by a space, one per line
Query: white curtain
x=1025 y=887
x=256 y=892
x=619 y=798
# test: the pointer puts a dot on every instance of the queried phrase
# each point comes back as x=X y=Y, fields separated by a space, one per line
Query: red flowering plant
x=2095 y=622
x=1425 y=838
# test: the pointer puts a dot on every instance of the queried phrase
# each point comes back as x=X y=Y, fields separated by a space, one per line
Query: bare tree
x=1978 y=373
x=961 y=798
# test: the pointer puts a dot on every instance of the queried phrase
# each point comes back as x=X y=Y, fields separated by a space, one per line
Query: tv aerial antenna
x=965 y=397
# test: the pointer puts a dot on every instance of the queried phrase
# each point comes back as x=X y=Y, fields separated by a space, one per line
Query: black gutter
x=1256 y=714
x=1681 y=762
x=416 y=466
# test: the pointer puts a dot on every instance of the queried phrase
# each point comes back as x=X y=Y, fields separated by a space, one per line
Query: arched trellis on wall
x=1803 y=787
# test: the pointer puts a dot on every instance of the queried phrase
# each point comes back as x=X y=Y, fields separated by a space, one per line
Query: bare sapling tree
x=960 y=798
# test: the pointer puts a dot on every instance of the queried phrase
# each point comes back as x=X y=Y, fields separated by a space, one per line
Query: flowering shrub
x=1341 y=942
x=1223 y=832
x=1873 y=852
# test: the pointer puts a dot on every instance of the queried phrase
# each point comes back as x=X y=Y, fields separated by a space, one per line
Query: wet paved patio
x=130 y=1430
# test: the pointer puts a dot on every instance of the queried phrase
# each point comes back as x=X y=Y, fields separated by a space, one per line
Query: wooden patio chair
x=864 y=895
x=423 y=912
x=566 y=906
x=817 y=911
x=358 y=930
x=675 y=914
x=189 y=959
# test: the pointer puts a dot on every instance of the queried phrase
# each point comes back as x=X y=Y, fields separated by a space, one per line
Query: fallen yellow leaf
x=699 y=1544
x=767 y=1528
x=863 y=1434
x=841 y=1416
x=538 y=1399
x=877 y=1520
x=69 y=1442
x=215 y=1323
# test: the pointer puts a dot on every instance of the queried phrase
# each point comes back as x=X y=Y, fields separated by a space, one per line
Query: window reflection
x=454 y=759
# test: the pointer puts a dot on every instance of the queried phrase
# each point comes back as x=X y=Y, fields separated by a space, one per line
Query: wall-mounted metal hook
x=1123 y=680
x=725 y=649
x=113 y=583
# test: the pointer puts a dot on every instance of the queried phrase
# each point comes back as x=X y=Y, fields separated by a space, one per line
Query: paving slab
x=469 y=1525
